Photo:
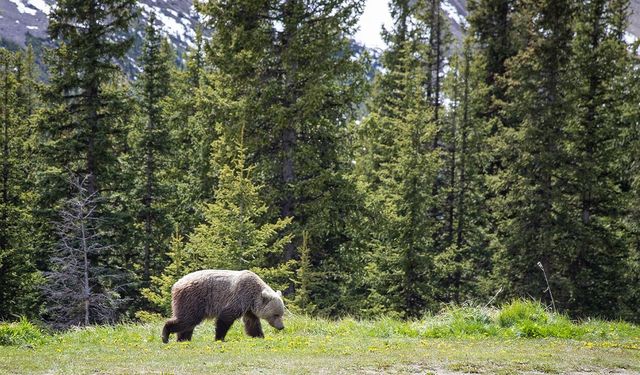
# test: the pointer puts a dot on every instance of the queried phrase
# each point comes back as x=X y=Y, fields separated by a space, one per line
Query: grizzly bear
x=225 y=296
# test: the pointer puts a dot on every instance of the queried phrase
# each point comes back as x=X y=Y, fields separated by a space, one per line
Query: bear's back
x=226 y=278
x=220 y=288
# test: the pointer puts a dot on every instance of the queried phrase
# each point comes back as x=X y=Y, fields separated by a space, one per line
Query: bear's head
x=271 y=308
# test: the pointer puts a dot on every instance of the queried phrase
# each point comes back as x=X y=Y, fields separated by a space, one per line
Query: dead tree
x=77 y=289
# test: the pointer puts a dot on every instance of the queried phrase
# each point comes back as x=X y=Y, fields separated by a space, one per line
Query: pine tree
x=292 y=65
x=159 y=292
x=235 y=234
x=532 y=216
x=19 y=234
x=151 y=148
x=83 y=116
x=600 y=61
x=396 y=166
x=465 y=262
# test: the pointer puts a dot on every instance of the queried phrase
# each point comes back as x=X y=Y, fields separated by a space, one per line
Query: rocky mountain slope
x=457 y=12
x=23 y=21
x=26 y=20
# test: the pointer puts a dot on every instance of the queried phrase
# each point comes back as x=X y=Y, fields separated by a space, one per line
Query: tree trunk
x=92 y=93
x=5 y=156
x=463 y=153
x=436 y=45
x=288 y=178
x=149 y=187
x=452 y=163
x=289 y=135
x=85 y=280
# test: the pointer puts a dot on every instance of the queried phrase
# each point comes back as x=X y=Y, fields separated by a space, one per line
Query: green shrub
x=521 y=312
x=20 y=333
x=149 y=317
x=460 y=321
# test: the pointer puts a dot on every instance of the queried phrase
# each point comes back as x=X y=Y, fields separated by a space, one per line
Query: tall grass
x=520 y=318
x=517 y=319
x=21 y=332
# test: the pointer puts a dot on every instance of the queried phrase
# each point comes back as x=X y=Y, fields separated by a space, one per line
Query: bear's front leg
x=222 y=327
x=176 y=325
x=252 y=325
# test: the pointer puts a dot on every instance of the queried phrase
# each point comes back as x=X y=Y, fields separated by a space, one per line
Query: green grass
x=520 y=337
x=20 y=333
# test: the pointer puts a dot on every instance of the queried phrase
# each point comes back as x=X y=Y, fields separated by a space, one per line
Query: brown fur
x=225 y=296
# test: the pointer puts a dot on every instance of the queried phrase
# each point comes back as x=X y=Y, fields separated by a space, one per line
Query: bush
x=459 y=322
x=521 y=312
x=149 y=317
x=20 y=333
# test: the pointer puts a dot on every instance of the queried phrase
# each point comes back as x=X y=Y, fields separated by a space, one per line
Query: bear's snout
x=277 y=324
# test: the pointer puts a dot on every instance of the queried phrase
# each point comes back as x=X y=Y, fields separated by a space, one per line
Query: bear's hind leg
x=252 y=325
x=185 y=335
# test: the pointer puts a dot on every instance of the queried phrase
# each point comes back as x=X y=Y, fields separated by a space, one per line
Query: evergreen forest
x=449 y=172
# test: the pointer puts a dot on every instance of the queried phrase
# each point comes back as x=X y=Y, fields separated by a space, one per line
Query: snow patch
x=278 y=26
x=32 y=27
x=22 y=8
x=186 y=22
x=41 y=5
x=193 y=12
x=452 y=12
x=170 y=25
x=630 y=38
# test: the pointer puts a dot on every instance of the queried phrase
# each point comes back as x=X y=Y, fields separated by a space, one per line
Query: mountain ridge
x=23 y=21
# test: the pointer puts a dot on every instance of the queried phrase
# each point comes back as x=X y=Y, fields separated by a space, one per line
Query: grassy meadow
x=521 y=337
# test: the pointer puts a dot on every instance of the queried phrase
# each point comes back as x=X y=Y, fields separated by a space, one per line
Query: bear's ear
x=266 y=296
x=279 y=293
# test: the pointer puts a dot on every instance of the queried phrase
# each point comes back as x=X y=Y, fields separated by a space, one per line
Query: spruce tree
x=151 y=147
x=429 y=15
x=82 y=119
x=599 y=64
x=396 y=166
x=631 y=163
x=191 y=113
x=465 y=262
x=82 y=130
x=158 y=294
x=292 y=65
x=533 y=216
x=19 y=234
x=235 y=233
x=495 y=33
